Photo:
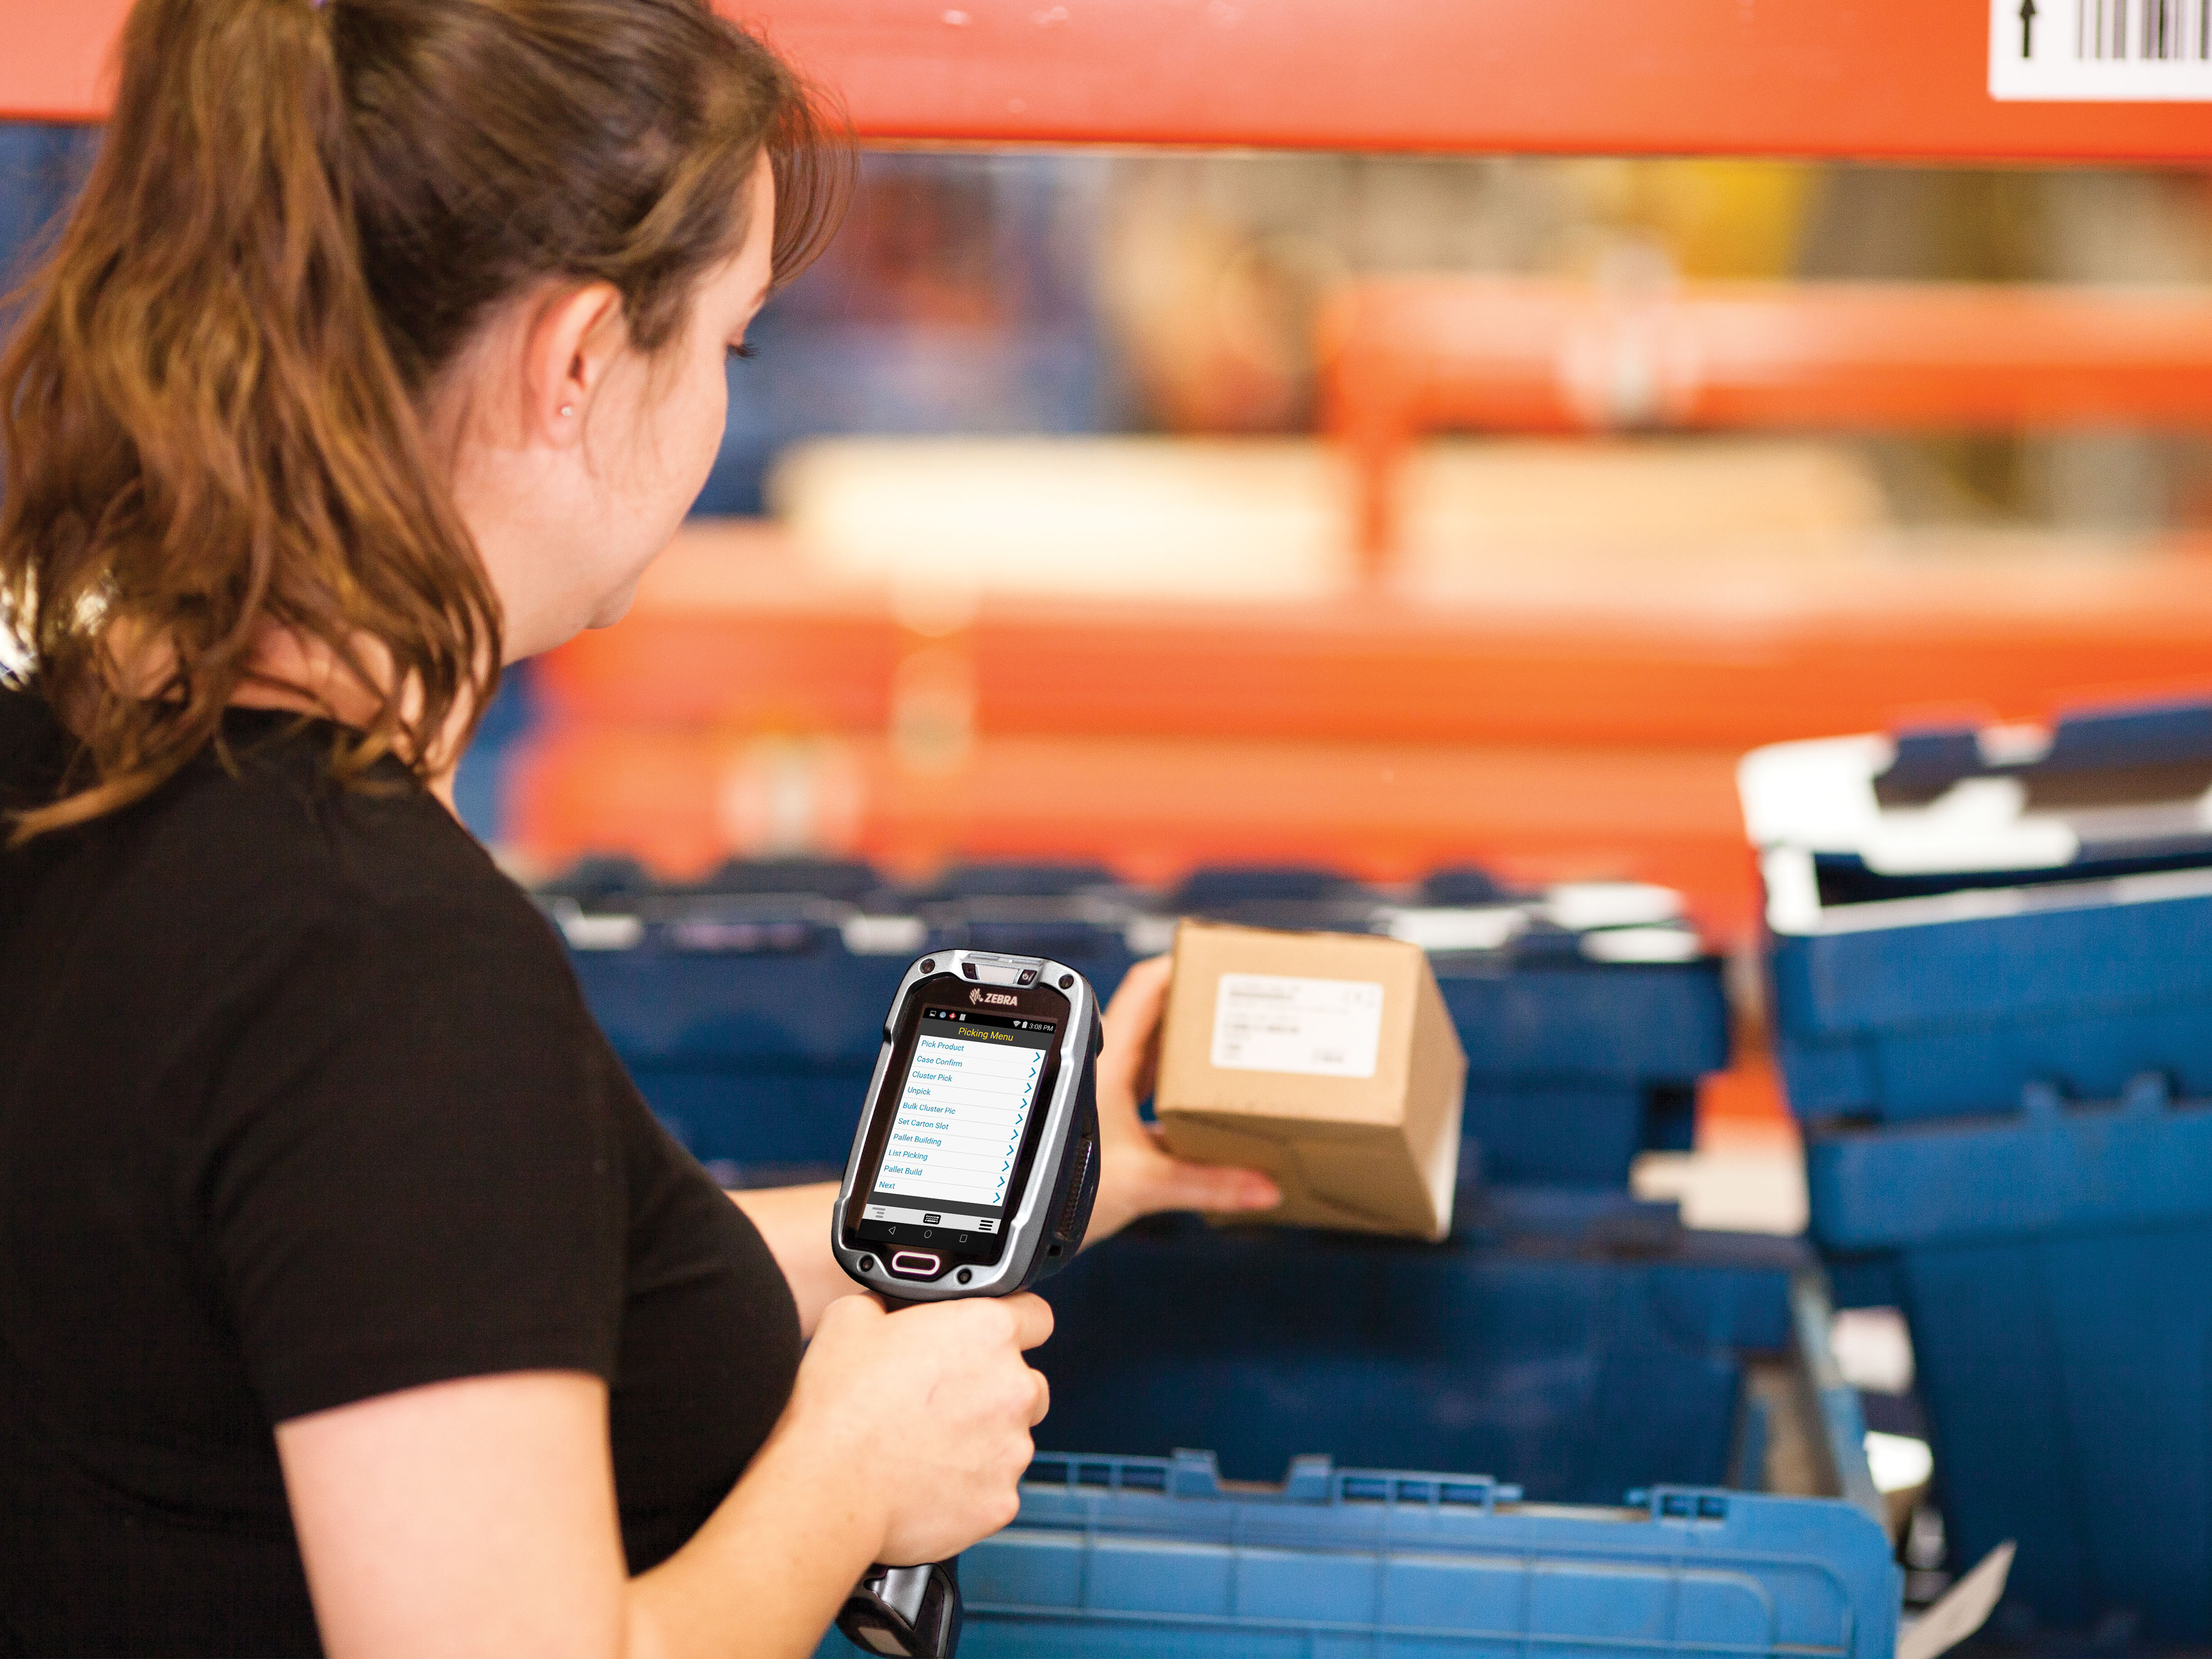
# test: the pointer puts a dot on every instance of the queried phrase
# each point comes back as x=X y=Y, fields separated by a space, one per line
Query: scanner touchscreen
x=956 y=1139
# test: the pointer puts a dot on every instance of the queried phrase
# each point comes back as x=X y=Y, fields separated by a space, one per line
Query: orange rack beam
x=745 y=706
x=1874 y=78
x=1408 y=355
x=732 y=631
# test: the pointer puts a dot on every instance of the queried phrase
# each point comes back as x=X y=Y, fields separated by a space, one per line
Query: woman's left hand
x=1137 y=1176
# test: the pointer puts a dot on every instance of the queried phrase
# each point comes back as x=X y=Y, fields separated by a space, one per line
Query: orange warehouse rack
x=730 y=630
x=1411 y=355
x=1875 y=78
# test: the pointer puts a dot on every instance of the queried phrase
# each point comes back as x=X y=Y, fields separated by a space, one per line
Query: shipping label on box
x=1328 y=1061
x=1314 y=1027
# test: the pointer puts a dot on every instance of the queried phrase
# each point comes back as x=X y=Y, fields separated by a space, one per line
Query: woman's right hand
x=491 y=1499
x=932 y=1405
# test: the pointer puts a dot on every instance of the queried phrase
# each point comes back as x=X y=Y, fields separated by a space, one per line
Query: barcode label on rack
x=2101 y=50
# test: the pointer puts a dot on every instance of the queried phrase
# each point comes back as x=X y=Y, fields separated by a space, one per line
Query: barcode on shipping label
x=1313 y=1027
x=2101 y=50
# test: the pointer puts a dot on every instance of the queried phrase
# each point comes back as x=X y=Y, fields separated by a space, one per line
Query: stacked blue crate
x=1970 y=930
x=1588 y=1013
x=1582 y=1052
x=1113 y=1558
x=749 y=1016
x=1305 y=897
x=749 y=1007
x=2056 y=1267
x=1954 y=918
x=1583 y=1343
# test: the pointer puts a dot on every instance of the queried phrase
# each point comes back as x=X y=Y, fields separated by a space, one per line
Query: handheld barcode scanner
x=972 y=1173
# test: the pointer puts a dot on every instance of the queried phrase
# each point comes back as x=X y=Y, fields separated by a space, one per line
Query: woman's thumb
x=1216 y=1189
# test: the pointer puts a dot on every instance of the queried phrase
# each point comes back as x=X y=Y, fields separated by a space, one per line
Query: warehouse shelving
x=745 y=699
x=1408 y=355
x=1594 y=736
x=1886 y=78
x=732 y=629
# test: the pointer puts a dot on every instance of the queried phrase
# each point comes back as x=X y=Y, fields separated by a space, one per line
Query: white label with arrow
x=2101 y=50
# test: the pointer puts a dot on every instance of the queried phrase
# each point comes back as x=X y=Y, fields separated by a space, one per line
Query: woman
x=349 y=1297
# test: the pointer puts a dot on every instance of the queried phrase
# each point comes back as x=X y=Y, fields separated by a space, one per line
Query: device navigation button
x=917 y=1264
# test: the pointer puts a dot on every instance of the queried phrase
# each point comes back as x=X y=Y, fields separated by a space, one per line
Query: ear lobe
x=572 y=341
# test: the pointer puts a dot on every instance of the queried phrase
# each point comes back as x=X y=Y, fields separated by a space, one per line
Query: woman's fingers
x=1133 y=1028
x=1032 y=1318
x=1137 y=1176
x=1173 y=1183
x=1138 y=1179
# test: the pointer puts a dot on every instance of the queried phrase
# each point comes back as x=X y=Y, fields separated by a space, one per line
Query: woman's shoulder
x=265 y=831
x=257 y=853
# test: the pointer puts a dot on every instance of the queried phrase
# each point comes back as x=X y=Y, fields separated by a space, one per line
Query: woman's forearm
x=765 y=1576
x=795 y=1223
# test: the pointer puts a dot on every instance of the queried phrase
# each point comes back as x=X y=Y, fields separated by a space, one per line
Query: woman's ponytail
x=209 y=412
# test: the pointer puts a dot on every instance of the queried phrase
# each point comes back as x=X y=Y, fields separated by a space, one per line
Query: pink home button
x=917 y=1264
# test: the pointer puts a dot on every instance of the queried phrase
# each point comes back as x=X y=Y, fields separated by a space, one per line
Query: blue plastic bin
x=1589 y=1350
x=849 y=880
x=1210 y=888
x=749 y=1008
x=1116 y=1558
x=2056 y=1269
x=1020 y=879
x=2057 y=932
x=1574 y=1066
x=2081 y=986
x=752 y=1033
x=1296 y=896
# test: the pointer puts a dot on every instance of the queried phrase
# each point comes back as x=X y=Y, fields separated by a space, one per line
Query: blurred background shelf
x=747 y=625
x=1579 y=719
x=1406 y=355
x=1893 y=78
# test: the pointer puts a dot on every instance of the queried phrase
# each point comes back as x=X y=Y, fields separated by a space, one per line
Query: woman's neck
x=307 y=677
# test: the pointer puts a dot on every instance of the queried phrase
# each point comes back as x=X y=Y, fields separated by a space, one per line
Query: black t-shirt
x=299 y=1105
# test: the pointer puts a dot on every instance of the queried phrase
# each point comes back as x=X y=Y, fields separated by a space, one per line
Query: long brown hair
x=209 y=413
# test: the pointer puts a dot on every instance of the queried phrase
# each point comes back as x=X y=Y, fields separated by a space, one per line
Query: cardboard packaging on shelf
x=1326 y=1059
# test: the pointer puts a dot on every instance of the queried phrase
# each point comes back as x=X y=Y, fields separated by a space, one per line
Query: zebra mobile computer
x=972 y=1173
x=977 y=1159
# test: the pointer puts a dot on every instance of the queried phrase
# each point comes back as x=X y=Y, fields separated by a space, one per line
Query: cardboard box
x=1326 y=1059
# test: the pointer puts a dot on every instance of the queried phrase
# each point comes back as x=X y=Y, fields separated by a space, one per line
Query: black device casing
x=1045 y=1228
x=910 y=1611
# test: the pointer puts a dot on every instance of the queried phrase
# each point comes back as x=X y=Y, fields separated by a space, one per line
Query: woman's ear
x=572 y=340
